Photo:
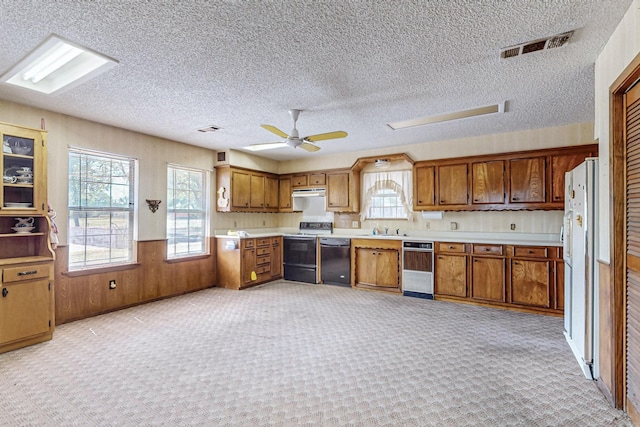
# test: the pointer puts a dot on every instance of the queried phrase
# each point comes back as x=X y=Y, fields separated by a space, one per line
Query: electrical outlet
x=454 y=225
x=513 y=226
x=264 y=223
x=428 y=225
x=354 y=224
x=112 y=284
x=235 y=224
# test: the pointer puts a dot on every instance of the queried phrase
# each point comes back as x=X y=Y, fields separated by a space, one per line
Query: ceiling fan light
x=382 y=164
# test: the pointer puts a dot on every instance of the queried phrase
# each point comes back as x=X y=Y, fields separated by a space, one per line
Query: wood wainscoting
x=152 y=278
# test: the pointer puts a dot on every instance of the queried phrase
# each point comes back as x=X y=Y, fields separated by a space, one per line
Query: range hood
x=309 y=192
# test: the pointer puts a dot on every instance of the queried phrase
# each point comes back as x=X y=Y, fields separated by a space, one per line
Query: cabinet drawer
x=262 y=269
x=530 y=251
x=299 y=180
x=263 y=260
x=248 y=243
x=16 y=274
x=487 y=249
x=263 y=251
x=263 y=242
x=450 y=247
x=275 y=241
x=317 y=179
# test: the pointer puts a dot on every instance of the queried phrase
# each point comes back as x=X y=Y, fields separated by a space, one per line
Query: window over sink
x=386 y=195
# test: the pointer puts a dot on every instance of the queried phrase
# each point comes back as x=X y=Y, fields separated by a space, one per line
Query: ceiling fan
x=294 y=140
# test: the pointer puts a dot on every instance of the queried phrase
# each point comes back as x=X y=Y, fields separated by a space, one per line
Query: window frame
x=388 y=193
x=203 y=212
x=80 y=210
x=393 y=180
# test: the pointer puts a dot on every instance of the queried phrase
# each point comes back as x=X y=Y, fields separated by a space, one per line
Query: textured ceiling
x=351 y=65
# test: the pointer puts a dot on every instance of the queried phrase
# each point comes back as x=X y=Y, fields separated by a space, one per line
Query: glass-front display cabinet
x=27 y=312
x=23 y=170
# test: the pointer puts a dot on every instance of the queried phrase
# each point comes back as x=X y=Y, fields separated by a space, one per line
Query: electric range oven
x=300 y=254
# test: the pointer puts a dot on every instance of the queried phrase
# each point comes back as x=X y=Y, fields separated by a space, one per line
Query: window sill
x=187 y=258
x=90 y=271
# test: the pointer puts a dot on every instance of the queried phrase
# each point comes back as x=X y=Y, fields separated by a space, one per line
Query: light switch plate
x=354 y=224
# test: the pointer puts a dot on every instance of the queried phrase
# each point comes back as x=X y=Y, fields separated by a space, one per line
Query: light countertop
x=531 y=239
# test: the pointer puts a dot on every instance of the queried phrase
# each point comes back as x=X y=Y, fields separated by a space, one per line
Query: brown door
x=527 y=180
x=452 y=184
x=632 y=155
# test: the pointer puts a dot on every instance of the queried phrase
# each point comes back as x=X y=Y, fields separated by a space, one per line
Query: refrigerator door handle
x=566 y=237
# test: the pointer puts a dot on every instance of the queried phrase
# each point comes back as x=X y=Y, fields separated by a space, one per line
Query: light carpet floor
x=292 y=354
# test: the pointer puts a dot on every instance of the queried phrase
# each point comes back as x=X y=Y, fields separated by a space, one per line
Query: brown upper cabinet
x=285 y=201
x=338 y=190
x=271 y=193
x=527 y=180
x=243 y=190
x=300 y=180
x=508 y=181
x=487 y=182
x=308 y=179
x=424 y=178
x=563 y=163
x=453 y=186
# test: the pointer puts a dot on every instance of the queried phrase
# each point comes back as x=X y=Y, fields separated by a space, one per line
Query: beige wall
x=620 y=50
x=154 y=154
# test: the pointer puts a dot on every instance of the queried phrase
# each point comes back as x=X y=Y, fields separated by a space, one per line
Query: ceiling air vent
x=209 y=129
x=536 y=45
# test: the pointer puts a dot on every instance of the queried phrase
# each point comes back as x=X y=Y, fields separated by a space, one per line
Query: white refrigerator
x=579 y=243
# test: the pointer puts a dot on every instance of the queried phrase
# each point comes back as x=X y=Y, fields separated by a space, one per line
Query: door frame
x=617 y=228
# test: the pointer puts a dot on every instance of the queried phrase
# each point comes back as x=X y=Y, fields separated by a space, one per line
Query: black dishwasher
x=335 y=261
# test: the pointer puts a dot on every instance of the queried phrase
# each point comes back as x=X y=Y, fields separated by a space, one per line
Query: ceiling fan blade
x=309 y=147
x=325 y=136
x=275 y=130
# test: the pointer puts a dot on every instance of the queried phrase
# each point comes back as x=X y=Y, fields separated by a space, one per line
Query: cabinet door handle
x=27 y=273
x=5 y=292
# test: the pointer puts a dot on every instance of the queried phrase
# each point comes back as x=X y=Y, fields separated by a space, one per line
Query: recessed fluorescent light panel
x=56 y=65
x=490 y=109
x=267 y=146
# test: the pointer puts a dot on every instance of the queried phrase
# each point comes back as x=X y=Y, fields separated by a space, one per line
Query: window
x=101 y=194
x=186 y=212
x=386 y=195
x=386 y=203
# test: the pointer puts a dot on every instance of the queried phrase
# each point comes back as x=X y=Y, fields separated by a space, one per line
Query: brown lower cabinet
x=451 y=270
x=26 y=305
x=376 y=264
x=242 y=263
x=523 y=278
